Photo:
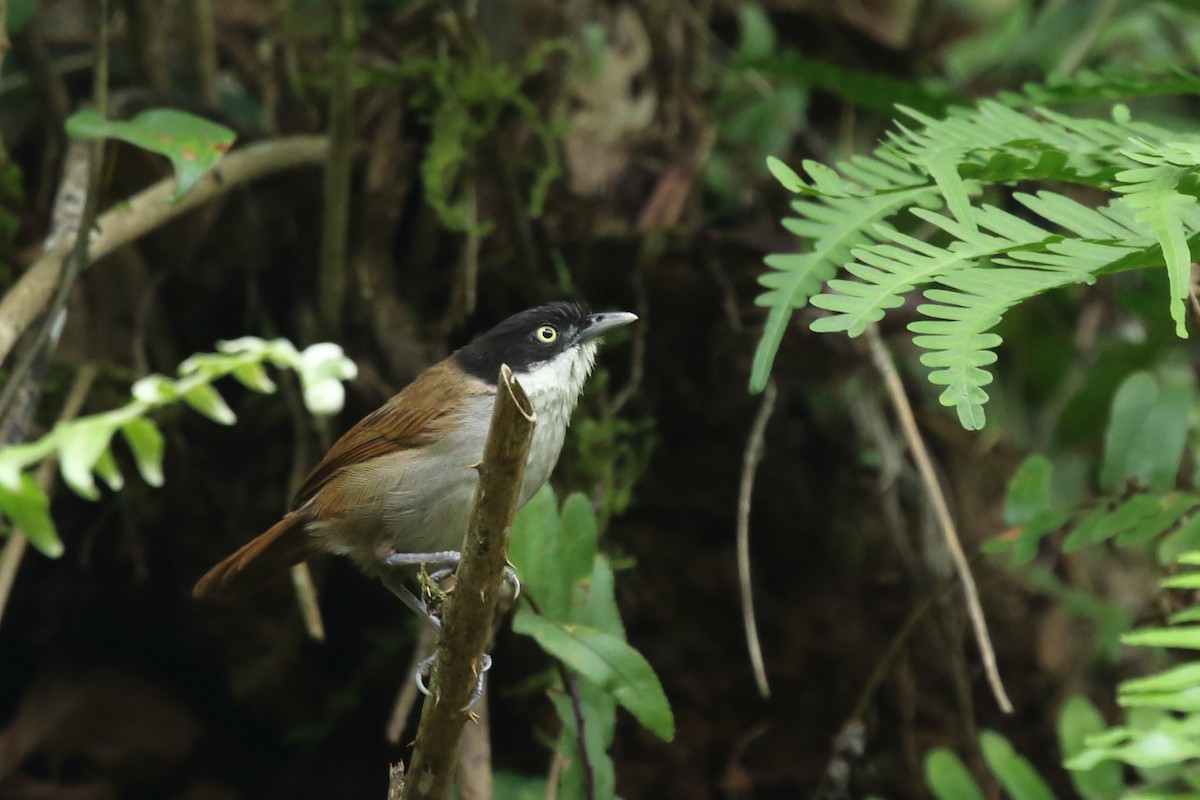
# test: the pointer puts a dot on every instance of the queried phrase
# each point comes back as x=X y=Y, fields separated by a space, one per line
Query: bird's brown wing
x=410 y=419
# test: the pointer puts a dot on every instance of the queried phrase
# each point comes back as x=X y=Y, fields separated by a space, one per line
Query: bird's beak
x=599 y=324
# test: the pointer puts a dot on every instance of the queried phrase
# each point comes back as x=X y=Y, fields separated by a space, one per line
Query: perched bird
x=396 y=490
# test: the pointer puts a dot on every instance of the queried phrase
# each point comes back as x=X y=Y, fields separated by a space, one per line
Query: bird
x=395 y=491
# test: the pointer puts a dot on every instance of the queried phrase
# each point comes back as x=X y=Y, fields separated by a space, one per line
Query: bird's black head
x=533 y=337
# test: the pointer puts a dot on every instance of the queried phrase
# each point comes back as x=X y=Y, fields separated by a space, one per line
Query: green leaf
x=1145 y=436
x=756 y=38
x=254 y=377
x=28 y=509
x=1028 y=490
x=1025 y=547
x=1181 y=636
x=205 y=399
x=1077 y=719
x=949 y=778
x=109 y=472
x=1179 y=542
x=80 y=445
x=192 y=143
x=785 y=175
x=146 y=443
x=609 y=663
x=1015 y=774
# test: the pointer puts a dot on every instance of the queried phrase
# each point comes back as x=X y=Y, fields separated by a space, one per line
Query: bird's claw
x=510 y=576
x=426 y=667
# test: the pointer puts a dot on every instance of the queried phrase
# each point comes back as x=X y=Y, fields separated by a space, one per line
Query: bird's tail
x=256 y=562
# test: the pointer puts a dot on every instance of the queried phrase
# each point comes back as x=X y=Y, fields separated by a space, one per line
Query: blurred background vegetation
x=488 y=156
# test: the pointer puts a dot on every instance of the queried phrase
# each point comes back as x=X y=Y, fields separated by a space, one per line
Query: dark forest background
x=505 y=153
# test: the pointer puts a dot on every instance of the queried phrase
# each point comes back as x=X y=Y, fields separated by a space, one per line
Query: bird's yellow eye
x=547 y=334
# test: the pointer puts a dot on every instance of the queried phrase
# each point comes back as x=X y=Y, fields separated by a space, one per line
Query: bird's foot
x=449 y=558
x=425 y=668
x=510 y=576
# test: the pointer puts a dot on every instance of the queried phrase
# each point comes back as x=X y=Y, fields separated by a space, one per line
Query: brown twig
x=14 y=550
x=750 y=461
x=331 y=280
x=143 y=213
x=469 y=618
x=912 y=434
x=200 y=37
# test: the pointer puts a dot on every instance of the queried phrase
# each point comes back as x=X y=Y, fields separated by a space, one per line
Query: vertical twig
x=469 y=618
x=148 y=41
x=74 y=213
x=887 y=369
x=750 y=461
x=336 y=223
x=201 y=40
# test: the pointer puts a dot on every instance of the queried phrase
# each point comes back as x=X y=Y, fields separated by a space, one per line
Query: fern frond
x=1107 y=83
x=982 y=260
x=835 y=224
x=1152 y=191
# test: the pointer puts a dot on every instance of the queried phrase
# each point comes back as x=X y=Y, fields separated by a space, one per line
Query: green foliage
x=608 y=453
x=1079 y=722
x=464 y=97
x=84 y=446
x=1138 y=507
x=756 y=120
x=577 y=622
x=192 y=143
x=975 y=260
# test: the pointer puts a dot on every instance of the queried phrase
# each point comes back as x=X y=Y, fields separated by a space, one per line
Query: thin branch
x=571 y=683
x=750 y=461
x=201 y=40
x=143 y=213
x=14 y=550
x=331 y=300
x=469 y=618
x=908 y=423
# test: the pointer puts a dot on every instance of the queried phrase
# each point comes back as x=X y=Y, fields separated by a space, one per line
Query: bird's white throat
x=554 y=386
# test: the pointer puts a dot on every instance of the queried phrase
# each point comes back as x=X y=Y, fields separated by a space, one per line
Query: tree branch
x=469 y=618
x=143 y=213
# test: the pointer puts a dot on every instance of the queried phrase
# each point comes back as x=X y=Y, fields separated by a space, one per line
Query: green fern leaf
x=835 y=225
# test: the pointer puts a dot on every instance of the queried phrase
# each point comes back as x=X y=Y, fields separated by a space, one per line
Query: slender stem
x=937 y=498
x=469 y=619
x=336 y=224
x=750 y=461
x=201 y=40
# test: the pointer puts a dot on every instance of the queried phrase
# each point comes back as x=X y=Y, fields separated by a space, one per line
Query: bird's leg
x=396 y=585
